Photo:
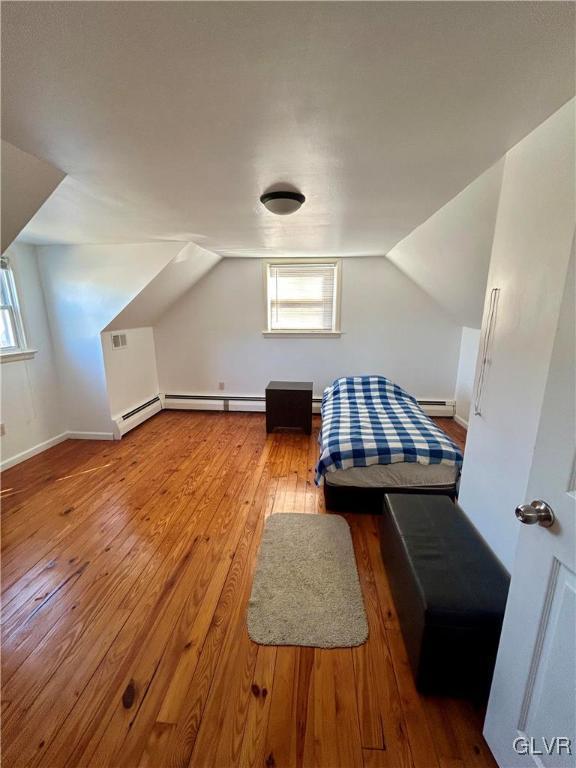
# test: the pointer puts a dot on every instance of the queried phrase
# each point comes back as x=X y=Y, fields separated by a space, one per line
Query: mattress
x=375 y=435
x=399 y=475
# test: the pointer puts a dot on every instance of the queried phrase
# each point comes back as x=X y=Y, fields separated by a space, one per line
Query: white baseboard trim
x=461 y=421
x=19 y=457
x=41 y=447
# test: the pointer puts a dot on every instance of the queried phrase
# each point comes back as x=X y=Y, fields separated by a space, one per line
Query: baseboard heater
x=248 y=403
x=438 y=407
x=215 y=402
x=136 y=416
x=258 y=403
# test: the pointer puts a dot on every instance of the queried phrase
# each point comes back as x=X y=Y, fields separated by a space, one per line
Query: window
x=12 y=337
x=302 y=297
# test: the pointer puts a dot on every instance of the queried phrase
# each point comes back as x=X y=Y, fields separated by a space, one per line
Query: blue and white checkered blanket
x=370 y=420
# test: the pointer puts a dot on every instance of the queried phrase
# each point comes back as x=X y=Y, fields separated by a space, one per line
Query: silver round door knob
x=536 y=512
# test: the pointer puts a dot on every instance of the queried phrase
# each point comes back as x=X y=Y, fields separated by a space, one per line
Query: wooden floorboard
x=126 y=569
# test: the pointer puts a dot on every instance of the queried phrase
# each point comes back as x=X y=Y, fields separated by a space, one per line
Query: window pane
x=301 y=297
x=5 y=297
x=7 y=335
x=11 y=330
x=312 y=317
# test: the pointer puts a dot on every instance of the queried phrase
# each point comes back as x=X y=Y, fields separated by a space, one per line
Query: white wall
x=131 y=375
x=469 y=343
x=390 y=326
x=31 y=410
x=533 y=237
x=86 y=286
x=448 y=255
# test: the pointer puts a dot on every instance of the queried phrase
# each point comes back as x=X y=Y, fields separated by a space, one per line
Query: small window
x=119 y=340
x=302 y=297
x=12 y=337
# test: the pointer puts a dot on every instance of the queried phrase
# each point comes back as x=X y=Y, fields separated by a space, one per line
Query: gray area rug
x=306 y=589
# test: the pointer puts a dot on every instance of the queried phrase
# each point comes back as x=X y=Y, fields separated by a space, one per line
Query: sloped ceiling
x=449 y=254
x=171 y=118
x=85 y=287
x=172 y=282
x=27 y=182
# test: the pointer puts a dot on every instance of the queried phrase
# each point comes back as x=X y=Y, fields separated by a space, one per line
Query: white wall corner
x=85 y=286
x=461 y=421
x=466 y=373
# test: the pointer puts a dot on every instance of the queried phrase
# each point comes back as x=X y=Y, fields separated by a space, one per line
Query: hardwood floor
x=453 y=430
x=126 y=571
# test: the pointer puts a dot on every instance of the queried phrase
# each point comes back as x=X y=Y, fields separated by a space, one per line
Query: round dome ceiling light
x=282 y=203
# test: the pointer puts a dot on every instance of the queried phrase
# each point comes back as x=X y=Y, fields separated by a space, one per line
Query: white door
x=531 y=718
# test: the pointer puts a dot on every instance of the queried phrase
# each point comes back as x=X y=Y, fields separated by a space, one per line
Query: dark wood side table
x=289 y=405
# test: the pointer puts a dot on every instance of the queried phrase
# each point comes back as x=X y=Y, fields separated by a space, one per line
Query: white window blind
x=302 y=297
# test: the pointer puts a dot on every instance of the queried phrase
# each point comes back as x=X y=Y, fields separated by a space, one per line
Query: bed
x=376 y=439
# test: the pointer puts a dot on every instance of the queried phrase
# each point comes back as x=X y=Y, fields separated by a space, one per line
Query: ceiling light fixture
x=282 y=203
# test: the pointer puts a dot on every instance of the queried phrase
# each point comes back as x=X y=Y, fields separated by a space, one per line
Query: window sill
x=18 y=354
x=302 y=334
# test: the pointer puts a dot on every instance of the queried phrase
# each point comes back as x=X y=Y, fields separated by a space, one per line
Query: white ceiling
x=171 y=119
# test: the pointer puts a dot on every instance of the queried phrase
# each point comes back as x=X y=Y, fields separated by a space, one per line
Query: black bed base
x=369 y=501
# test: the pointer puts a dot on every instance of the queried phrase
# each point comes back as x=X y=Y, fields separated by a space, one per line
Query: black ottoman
x=449 y=590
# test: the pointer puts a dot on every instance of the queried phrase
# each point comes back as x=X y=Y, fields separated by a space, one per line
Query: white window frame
x=21 y=350
x=335 y=332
